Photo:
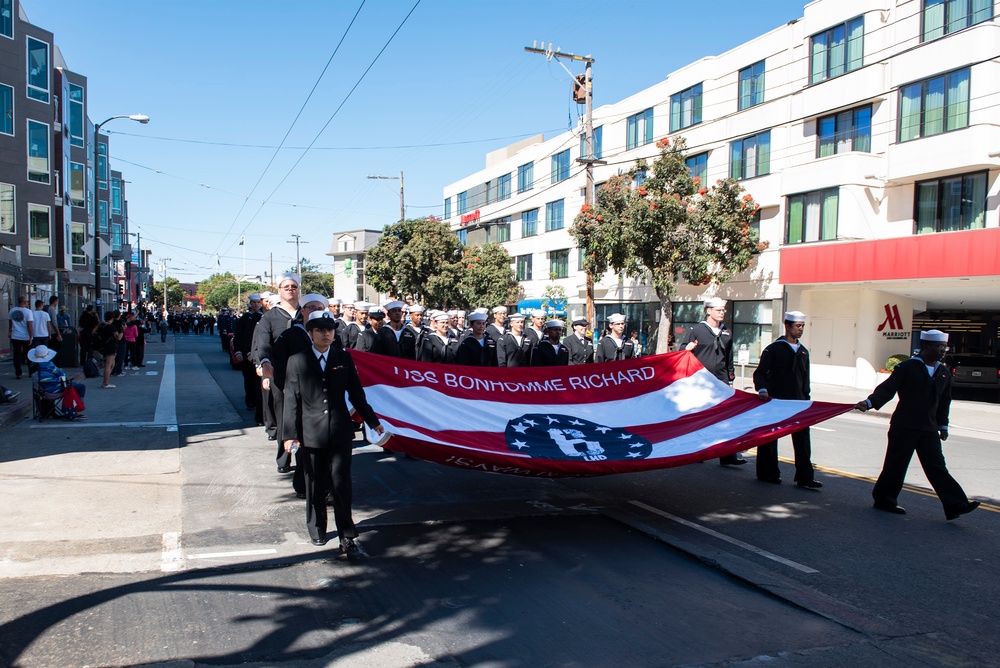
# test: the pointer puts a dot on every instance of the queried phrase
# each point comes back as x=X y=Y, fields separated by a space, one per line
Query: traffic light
x=580 y=89
x=121 y=288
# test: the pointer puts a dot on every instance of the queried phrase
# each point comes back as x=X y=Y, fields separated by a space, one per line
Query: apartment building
x=869 y=133
x=47 y=171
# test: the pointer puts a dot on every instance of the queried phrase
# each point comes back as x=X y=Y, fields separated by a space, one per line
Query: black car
x=977 y=372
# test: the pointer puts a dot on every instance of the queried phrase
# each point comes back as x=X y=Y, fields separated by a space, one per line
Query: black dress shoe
x=272 y=438
x=810 y=484
x=352 y=549
x=773 y=481
x=300 y=495
x=967 y=507
x=732 y=460
x=285 y=469
x=318 y=541
x=889 y=508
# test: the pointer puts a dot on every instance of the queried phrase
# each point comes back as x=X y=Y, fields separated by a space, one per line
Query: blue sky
x=223 y=80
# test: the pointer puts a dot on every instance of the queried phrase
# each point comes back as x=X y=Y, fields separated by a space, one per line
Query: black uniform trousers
x=767 y=458
x=927 y=444
x=328 y=471
x=251 y=389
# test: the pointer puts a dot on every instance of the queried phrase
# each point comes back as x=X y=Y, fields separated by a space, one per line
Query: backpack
x=90 y=369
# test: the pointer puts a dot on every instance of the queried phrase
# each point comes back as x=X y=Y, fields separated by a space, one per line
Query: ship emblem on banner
x=555 y=436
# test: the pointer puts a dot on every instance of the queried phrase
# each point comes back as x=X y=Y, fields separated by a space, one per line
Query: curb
x=14 y=413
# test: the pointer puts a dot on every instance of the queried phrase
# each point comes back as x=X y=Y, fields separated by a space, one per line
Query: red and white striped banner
x=634 y=415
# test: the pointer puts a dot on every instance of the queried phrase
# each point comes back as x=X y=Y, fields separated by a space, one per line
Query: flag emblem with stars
x=557 y=436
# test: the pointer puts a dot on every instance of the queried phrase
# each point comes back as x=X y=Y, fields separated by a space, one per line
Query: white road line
x=166 y=401
x=821 y=428
x=222 y=555
x=728 y=539
x=172 y=558
x=171 y=426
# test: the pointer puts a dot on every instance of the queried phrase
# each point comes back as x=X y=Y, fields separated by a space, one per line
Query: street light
x=141 y=118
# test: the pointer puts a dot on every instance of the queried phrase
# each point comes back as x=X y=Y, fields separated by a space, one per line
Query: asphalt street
x=159 y=532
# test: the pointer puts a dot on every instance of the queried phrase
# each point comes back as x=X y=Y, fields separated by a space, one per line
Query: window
x=559 y=264
x=844 y=132
x=750 y=157
x=639 y=129
x=461 y=202
x=76 y=116
x=752 y=326
x=812 y=216
x=560 y=166
x=529 y=223
x=116 y=196
x=942 y=18
x=39 y=232
x=526 y=177
x=106 y=265
x=698 y=166
x=38 y=70
x=463 y=236
x=554 y=216
x=6 y=109
x=639 y=178
x=502 y=230
x=102 y=216
x=598 y=150
x=447 y=208
x=524 y=267
x=503 y=187
x=685 y=108
x=116 y=236
x=102 y=166
x=77 y=192
x=951 y=204
x=751 y=86
x=78 y=238
x=837 y=50
x=38 y=152
x=933 y=106
x=7 y=225
x=7 y=18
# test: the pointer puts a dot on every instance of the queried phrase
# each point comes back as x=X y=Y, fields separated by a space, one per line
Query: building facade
x=348 y=250
x=48 y=168
x=869 y=133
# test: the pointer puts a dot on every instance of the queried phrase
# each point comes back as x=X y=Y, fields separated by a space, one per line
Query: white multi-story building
x=869 y=133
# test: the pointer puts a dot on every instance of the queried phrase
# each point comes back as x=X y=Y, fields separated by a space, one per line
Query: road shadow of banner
x=654 y=412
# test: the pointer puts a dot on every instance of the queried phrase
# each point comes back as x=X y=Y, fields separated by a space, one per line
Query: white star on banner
x=520 y=445
x=576 y=423
x=551 y=419
x=633 y=455
x=626 y=437
x=530 y=423
x=604 y=430
x=520 y=428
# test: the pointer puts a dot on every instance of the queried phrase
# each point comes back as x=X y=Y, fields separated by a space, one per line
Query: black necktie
x=322 y=362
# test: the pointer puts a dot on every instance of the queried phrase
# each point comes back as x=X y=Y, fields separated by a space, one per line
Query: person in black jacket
x=367 y=341
x=580 y=346
x=242 y=344
x=278 y=318
x=783 y=373
x=316 y=420
x=712 y=344
x=396 y=339
x=477 y=349
x=435 y=346
x=919 y=423
x=550 y=352
x=613 y=346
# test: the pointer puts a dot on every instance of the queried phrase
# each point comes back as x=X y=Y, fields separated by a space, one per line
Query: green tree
x=554 y=295
x=669 y=229
x=314 y=281
x=229 y=294
x=488 y=279
x=208 y=286
x=175 y=295
x=419 y=259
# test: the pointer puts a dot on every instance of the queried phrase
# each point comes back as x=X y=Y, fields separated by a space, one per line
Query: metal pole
x=165 y=286
x=98 y=302
x=589 y=194
x=402 y=205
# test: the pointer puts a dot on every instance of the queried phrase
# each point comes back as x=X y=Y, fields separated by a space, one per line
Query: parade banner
x=594 y=419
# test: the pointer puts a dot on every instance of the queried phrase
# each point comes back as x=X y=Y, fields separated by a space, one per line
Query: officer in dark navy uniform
x=496 y=329
x=550 y=352
x=783 y=373
x=580 y=346
x=317 y=421
x=242 y=344
x=351 y=333
x=394 y=338
x=477 y=349
x=614 y=346
x=919 y=423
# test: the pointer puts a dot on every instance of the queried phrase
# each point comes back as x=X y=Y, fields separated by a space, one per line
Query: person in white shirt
x=44 y=327
x=20 y=329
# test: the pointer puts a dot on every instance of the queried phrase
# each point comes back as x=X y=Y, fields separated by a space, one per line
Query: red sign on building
x=469 y=217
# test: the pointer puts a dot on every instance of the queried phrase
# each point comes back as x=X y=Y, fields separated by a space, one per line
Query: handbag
x=71 y=399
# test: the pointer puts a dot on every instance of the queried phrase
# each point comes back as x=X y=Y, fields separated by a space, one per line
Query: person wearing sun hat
x=919 y=424
x=50 y=377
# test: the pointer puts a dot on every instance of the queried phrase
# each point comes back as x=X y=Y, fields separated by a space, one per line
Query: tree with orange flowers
x=658 y=223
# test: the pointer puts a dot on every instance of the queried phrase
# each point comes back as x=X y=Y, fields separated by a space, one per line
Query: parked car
x=977 y=372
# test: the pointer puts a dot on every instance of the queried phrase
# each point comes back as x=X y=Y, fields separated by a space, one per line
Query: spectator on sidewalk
x=106 y=340
x=44 y=327
x=88 y=325
x=20 y=329
x=50 y=377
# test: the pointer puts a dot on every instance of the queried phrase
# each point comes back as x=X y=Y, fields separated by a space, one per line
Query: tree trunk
x=663 y=331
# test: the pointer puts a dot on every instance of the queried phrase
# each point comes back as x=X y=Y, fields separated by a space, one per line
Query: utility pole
x=402 y=201
x=163 y=264
x=298 y=260
x=588 y=159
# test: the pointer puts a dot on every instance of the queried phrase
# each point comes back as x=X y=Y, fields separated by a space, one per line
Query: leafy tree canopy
x=314 y=280
x=488 y=278
x=658 y=222
x=175 y=294
x=415 y=258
